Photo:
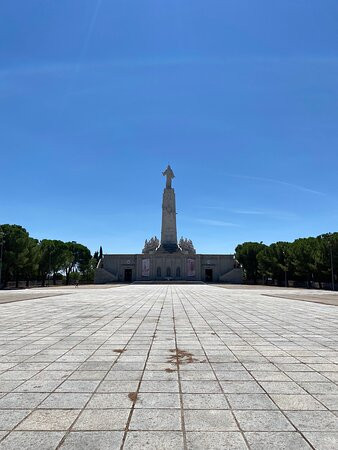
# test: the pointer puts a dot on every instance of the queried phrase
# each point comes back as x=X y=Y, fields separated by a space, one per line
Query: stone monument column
x=168 y=230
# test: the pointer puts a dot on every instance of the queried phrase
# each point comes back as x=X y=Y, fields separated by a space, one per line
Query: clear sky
x=241 y=97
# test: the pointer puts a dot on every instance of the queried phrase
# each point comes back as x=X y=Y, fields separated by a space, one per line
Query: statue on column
x=170 y=175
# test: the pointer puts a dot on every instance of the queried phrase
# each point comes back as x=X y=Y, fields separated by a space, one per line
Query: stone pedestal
x=168 y=231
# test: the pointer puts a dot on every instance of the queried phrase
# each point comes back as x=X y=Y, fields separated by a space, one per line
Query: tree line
x=24 y=258
x=305 y=260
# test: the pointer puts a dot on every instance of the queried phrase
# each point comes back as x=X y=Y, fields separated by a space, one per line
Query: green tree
x=15 y=252
x=31 y=268
x=246 y=255
x=326 y=256
x=78 y=258
x=275 y=261
x=88 y=274
x=303 y=258
x=54 y=256
x=96 y=256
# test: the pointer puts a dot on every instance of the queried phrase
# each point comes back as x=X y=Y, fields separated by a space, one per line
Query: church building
x=168 y=260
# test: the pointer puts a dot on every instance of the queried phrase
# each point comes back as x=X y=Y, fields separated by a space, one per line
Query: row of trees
x=26 y=258
x=313 y=259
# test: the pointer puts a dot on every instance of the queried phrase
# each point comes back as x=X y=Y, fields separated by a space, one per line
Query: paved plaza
x=168 y=367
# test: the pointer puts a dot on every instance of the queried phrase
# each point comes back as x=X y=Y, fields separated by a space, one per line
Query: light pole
x=1 y=250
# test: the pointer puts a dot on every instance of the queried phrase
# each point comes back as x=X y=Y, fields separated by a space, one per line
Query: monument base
x=168 y=267
x=168 y=248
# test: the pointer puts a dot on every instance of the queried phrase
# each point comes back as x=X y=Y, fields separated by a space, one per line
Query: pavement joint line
x=144 y=367
x=185 y=445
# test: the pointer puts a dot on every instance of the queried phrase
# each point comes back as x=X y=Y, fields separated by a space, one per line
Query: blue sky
x=97 y=96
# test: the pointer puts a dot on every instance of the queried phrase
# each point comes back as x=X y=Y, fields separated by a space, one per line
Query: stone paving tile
x=159 y=386
x=49 y=420
x=31 y=440
x=277 y=441
x=51 y=375
x=313 y=420
x=124 y=375
x=95 y=366
x=11 y=375
x=102 y=419
x=323 y=441
x=320 y=388
x=269 y=376
x=223 y=440
x=117 y=386
x=156 y=419
x=306 y=376
x=276 y=387
x=63 y=366
x=107 y=400
x=204 y=401
x=87 y=375
x=158 y=400
x=18 y=400
x=150 y=440
x=201 y=387
x=330 y=401
x=10 y=418
x=250 y=401
x=296 y=402
x=217 y=374
x=78 y=386
x=209 y=420
x=332 y=376
x=38 y=386
x=158 y=375
x=65 y=401
x=241 y=387
x=263 y=421
x=93 y=440
x=71 y=369
x=8 y=386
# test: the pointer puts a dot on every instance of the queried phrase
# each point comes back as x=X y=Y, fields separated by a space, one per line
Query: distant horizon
x=240 y=97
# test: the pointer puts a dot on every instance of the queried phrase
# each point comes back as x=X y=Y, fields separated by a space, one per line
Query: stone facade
x=168 y=260
x=172 y=267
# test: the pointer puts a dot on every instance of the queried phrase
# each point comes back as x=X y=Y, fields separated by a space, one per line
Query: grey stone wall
x=168 y=266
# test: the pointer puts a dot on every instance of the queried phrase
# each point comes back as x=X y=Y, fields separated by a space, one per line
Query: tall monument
x=168 y=260
x=168 y=230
